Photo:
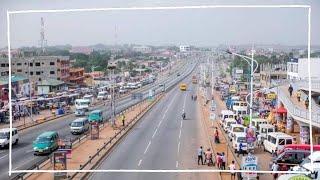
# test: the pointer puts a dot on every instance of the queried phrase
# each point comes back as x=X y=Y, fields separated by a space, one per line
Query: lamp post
x=112 y=66
x=30 y=85
x=251 y=77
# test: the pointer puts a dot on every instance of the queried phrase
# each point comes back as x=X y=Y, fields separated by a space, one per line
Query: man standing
x=200 y=153
x=307 y=102
x=275 y=167
x=240 y=150
x=299 y=95
x=232 y=167
x=123 y=119
x=290 y=90
x=223 y=165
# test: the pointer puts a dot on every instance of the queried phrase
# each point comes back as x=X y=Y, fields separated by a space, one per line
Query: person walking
x=240 y=151
x=299 y=95
x=223 y=165
x=232 y=167
x=219 y=160
x=306 y=102
x=191 y=97
x=290 y=90
x=208 y=155
x=259 y=140
x=239 y=175
x=123 y=119
x=200 y=153
x=275 y=167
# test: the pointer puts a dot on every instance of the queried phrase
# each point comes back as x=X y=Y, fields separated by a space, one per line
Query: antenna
x=43 y=41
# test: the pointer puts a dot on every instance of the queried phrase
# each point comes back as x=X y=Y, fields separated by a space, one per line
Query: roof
x=6 y=129
x=266 y=125
x=279 y=134
x=47 y=134
x=95 y=111
x=50 y=82
x=79 y=119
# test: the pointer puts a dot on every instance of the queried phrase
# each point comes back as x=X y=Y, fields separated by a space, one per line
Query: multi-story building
x=184 y=48
x=237 y=74
x=298 y=68
x=41 y=67
x=143 y=49
x=270 y=72
x=76 y=76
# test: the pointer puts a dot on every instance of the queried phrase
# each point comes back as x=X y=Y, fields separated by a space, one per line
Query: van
x=299 y=147
x=237 y=104
x=89 y=98
x=45 y=143
x=240 y=110
x=290 y=158
x=265 y=129
x=225 y=114
x=257 y=121
x=227 y=123
x=276 y=141
x=235 y=128
x=237 y=138
x=79 y=126
x=96 y=115
x=5 y=136
x=103 y=95
x=82 y=104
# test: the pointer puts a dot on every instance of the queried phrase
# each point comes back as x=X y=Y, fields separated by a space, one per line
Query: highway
x=162 y=141
x=22 y=155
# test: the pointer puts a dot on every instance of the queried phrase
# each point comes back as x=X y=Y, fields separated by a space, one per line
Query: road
x=22 y=154
x=162 y=140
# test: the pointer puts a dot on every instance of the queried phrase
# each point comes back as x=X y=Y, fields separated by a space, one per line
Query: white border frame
x=153 y=8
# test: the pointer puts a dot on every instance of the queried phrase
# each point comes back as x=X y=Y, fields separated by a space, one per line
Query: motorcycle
x=183 y=116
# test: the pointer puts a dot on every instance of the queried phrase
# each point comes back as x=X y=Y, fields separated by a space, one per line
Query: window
x=282 y=142
x=19 y=70
x=31 y=73
x=19 y=64
x=51 y=72
x=39 y=79
x=51 y=63
x=31 y=64
x=38 y=73
x=288 y=141
x=37 y=64
x=3 y=65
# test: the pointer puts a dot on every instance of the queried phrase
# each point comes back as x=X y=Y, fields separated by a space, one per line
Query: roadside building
x=270 y=72
x=46 y=86
x=184 y=48
x=76 y=76
x=82 y=50
x=298 y=68
x=142 y=49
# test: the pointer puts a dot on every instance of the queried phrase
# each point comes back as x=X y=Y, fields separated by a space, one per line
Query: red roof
x=280 y=110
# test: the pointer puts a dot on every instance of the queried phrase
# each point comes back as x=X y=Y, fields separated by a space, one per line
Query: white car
x=5 y=136
x=123 y=91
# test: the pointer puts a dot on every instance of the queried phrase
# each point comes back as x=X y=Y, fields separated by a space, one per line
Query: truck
x=194 y=79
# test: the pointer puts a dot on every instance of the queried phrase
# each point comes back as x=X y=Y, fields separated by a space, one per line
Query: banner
x=94 y=130
x=249 y=163
x=65 y=145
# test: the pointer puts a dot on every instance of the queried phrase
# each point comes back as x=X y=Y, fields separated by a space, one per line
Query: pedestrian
x=257 y=177
x=239 y=176
x=284 y=167
x=307 y=102
x=218 y=160
x=299 y=95
x=191 y=97
x=275 y=167
x=290 y=90
x=223 y=165
x=232 y=167
x=123 y=119
x=259 y=140
x=208 y=155
x=240 y=151
x=200 y=153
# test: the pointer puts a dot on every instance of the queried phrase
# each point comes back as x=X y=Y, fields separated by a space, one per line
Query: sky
x=199 y=27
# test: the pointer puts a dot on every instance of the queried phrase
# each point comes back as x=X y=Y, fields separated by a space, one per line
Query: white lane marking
x=181 y=124
x=159 y=123
x=154 y=132
x=178 y=148
x=147 y=147
x=4 y=156
x=180 y=134
x=169 y=106
x=139 y=162
x=177 y=164
x=2 y=152
x=23 y=164
x=184 y=102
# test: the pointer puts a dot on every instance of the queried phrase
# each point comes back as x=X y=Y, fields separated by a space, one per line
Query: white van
x=237 y=138
x=257 y=121
x=225 y=114
x=82 y=104
x=79 y=126
x=276 y=141
x=235 y=128
x=265 y=129
x=89 y=98
x=103 y=95
x=243 y=110
x=237 y=104
x=5 y=136
x=227 y=123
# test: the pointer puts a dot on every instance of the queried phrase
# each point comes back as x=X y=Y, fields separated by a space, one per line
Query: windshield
x=241 y=139
x=238 y=129
x=94 y=115
x=305 y=161
x=76 y=124
x=87 y=97
x=83 y=103
x=42 y=140
x=4 y=135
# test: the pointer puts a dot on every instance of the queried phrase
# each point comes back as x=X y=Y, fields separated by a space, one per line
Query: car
x=178 y=74
x=5 y=136
x=160 y=85
x=79 y=126
x=123 y=91
x=46 y=143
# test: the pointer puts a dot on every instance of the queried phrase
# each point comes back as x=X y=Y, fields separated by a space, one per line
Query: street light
x=30 y=86
x=251 y=78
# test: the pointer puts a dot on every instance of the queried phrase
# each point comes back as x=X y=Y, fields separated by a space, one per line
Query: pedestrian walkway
x=293 y=98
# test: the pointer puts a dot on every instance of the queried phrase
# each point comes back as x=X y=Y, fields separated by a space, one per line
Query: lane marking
x=4 y=156
x=180 y=134
x=181 y=123
x=178 y=148
x=177 y=164
x=159 y=123
x=147 y=147
x=169 y=106
x=139 y=162
x=154 y=132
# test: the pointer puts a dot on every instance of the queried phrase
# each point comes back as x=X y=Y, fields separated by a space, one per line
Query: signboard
x=59 y=163
x=94 y=130
x=65 y=145
x=249 y=163
x=212 y=116
x=239 y=71
x=250 y=135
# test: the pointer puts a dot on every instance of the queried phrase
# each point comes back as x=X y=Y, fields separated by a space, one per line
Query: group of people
x=221 y=161
x=207 y=155
x=193 y=97
x=306 y=102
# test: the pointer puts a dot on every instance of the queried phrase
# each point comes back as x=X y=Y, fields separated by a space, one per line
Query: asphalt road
x=161 y=141
x=22 y=154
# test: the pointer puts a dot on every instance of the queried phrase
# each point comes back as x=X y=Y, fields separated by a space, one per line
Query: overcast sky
x=200 y=27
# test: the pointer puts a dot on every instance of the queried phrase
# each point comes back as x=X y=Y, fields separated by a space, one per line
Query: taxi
x=183 y=87
x=232 y=91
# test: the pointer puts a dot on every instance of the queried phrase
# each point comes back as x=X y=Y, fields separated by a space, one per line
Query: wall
x=303 y=68
x=43 y=89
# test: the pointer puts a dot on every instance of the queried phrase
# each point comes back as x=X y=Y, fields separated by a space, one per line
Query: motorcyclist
x=183 y=114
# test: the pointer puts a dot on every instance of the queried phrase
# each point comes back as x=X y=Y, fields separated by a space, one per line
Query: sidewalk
x=82 y=152
x=293 y=98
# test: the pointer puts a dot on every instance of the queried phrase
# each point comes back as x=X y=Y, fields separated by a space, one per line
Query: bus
x=194 y=79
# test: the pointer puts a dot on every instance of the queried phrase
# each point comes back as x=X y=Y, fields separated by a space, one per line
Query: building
x=19 y=85
x=142 y=49
x=46 y=86
x=269 y=72
x=298 y=68
x=82 y=50
x=53 y=67
x=184 y=48
x=237 y=74
x=76 y=76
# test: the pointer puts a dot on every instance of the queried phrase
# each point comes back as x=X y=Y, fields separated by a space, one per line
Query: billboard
x=59 y=163
x=249 y=163
x=94 y=130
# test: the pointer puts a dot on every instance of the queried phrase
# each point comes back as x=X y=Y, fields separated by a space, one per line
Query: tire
x=17 y=140
x=264 y=148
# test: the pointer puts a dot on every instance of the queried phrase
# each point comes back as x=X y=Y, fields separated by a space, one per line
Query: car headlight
x=46 y=148
x=35 y=148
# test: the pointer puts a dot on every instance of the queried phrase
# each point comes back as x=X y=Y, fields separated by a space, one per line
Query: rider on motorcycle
x=183 y=115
